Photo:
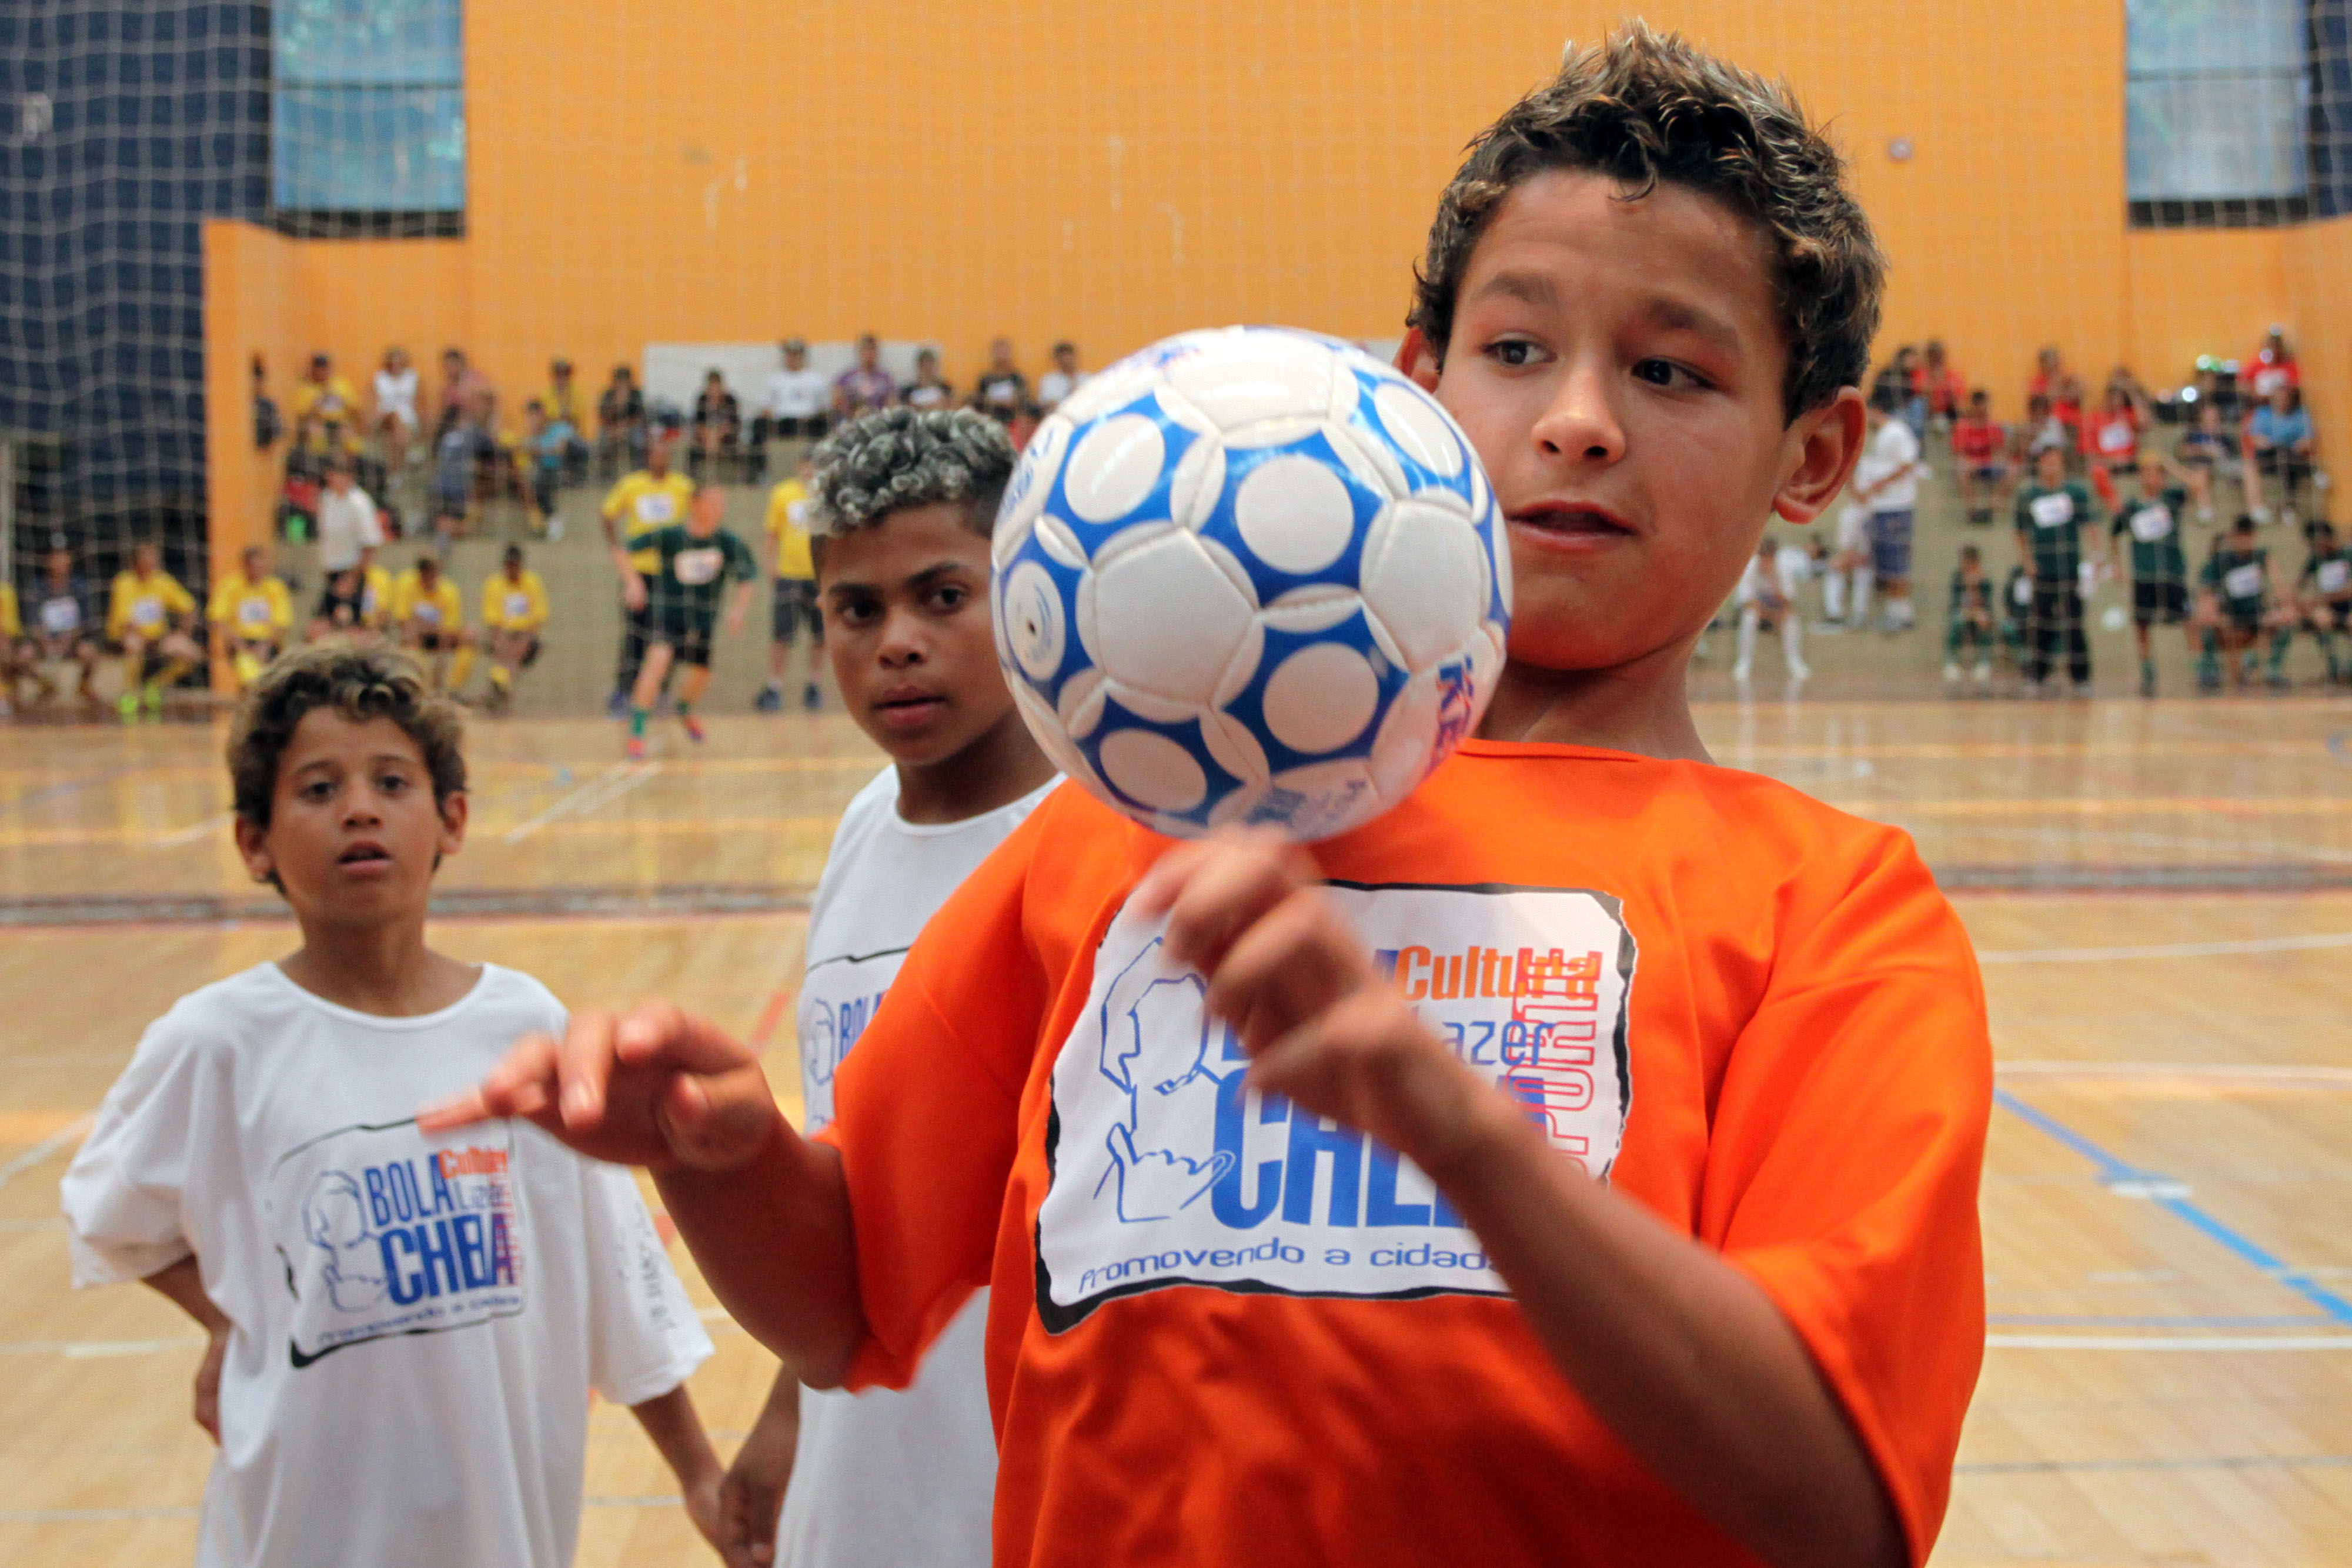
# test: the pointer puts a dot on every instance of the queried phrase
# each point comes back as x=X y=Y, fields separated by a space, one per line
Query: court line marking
x=2304 y=943
x=2219 y=1462
x=2232 y=1343
x=191 y=1510
x=2284 y=1075
x=2108 y=1320
x=189 y=835
x=607 y=786
x=2111 y=1169
x=71 y=1132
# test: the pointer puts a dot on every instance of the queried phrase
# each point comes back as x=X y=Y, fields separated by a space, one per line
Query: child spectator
x=147 y=618
x=1980 y=450
x=2051 y=513
x=640 y=503
x=621 y=422
x=394 y=411
x=928 y=389
x=2049 y=371
x=428 y=615
x=459 y=453
x=268 y=424
x=1969 y=625
x=718 y=425
x=465 y=394
x=2152 y=521
x=2206 y=453
x=1845 y=589
x=2236 y=602
x=323 y=406
x=2273 y=367
x=547 y=444
x=251 y=615
x=1940 y=386
x=2111 y=441
x=693 y=563
x=1767 y=597
x=514 y=617
x=349 y=524
x=567 y=406
x=2042 y=431
x=792 y=407
x=402 y=1328
x=911 y=499
x=2324 y=601
x=1888 y=485
x=792 y=602
x=1062 y=380
x=865 y=385
x=2279 y=446
x=1740 y=1324
x=65 y=627
x=1001 y=392
x=2066 y=408
x=2016 y=610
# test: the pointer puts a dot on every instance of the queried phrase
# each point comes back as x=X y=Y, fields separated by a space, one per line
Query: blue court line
x=2111 y=1169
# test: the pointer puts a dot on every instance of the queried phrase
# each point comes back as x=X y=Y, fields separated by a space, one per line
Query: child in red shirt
x=1979 y=451
x=1579 y=1163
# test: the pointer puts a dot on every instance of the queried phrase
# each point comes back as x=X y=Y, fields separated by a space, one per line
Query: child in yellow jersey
x=251 y=612
x=792 y=582
x=651 y=499
x=147 y=618
x=514 y=614
x=428 y=615
x=16 y=663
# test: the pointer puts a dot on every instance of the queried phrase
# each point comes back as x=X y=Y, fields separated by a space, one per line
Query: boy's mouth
x=365 y=856
x=908 y=707
x=1571 y=525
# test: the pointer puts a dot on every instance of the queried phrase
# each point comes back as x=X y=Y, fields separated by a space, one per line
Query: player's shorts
x=451 y=501
x=440 y=642
x=1890 y=543
x=1988 y=473
x=688 y=634
x=2160 y=603
x=1853 y=527
x=791 y=606
x=543 y=481
x=342 y=612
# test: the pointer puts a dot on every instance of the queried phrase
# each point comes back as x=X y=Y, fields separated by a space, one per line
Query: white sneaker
x=1982 y=674
x=1951 y=671
x=1740 y=671
x=1801 y=671
x=2261 y=515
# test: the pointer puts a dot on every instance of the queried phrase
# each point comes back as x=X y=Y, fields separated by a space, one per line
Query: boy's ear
x=253 y=848
x=1418 y=361
x=1821 y=447
x=454 y=811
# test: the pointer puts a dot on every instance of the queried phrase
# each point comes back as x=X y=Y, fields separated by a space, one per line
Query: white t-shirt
x=1894 y=449
x=417 y=1320
x=1054 y=386
x=796 y=394
x=884 y=1478
x=396 y=395
x=1791 y=567
x=347 y=523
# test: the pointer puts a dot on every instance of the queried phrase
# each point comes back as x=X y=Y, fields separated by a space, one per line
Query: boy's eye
x=854 y=611
x=392 y=783
x=1515 y=352
x=318 y=789
x=951 y=596
x=1662 y=374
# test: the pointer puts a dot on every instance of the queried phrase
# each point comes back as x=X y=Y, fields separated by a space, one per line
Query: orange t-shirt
x=1220 y=1331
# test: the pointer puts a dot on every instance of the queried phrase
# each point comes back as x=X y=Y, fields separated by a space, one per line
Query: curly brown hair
x=359 y=680
x=1642 y=108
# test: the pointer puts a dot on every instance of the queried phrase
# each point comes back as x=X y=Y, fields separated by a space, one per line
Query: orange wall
x=739 y=170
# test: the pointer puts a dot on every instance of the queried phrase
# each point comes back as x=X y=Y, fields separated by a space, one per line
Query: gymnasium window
x=2218 y=112
x=368 y=117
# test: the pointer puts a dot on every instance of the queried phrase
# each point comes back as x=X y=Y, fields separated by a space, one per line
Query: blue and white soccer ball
x=1250 y=575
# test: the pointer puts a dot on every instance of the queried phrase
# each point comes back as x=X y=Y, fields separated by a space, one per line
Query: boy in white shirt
x=1767 y=597
x=1887 y=483
x=886 y=1479
x=405 y=1327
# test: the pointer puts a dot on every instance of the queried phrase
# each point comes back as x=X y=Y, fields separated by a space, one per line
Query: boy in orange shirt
x=1578 y=1164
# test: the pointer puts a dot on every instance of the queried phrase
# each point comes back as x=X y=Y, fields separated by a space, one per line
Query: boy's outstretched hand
x=1246 y=909
x=653 y=1087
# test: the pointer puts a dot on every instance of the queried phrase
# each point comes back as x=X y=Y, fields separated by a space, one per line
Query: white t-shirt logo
x=147 y=612
x=2335 y=576
x=695 y=567
x=427 y=611
x=517 y=605
x=1168 y=1170
x=59 y=616
x=2150 y=524
x=656 y=507
x=384 y=1231
x=2244 y=581
x=2054 y=511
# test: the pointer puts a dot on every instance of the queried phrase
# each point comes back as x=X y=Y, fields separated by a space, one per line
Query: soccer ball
x=1250 y=575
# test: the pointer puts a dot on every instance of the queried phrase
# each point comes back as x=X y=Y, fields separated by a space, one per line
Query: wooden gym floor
x=2161 y=894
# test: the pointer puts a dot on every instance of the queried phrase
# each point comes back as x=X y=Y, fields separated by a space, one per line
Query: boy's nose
x=1581 y=423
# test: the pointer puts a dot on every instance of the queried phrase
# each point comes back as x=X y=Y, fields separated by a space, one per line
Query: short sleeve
x=644 y=1335
x=122 y=1196
x=927 y=1111
x=1848 y=1148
